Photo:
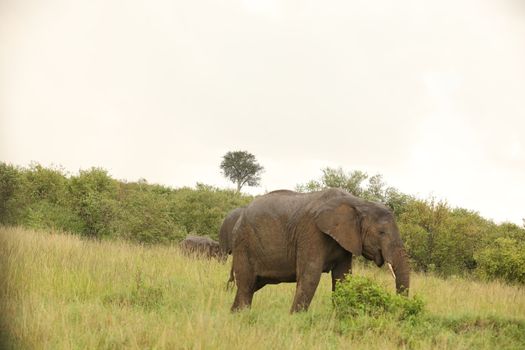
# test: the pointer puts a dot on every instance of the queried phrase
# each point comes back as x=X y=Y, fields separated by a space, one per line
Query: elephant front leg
x=343 y=268
x=307 y=282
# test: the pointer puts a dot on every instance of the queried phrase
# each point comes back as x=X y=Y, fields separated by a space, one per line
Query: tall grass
x=60 y=292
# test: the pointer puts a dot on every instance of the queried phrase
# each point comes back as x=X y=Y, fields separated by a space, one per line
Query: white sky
x=431 y=94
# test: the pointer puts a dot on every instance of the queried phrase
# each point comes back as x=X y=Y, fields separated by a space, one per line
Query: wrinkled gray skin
x=285 y=236
x=226 y=231
x=200 y=246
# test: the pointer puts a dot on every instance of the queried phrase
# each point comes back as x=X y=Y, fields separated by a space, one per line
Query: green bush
x=46 y=215
x=93 y=197
x=10 y=188
x=504 y=260
x=360 y=296
x=93 y=204
x=145 y=217
x=203 y=209
x=43 y=183
x=440 y=239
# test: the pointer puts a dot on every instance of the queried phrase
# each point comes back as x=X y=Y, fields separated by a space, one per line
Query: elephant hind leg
x=245 y=280
x=231 y=280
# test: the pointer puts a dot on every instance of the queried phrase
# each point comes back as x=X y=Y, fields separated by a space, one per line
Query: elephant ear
x=340 y=221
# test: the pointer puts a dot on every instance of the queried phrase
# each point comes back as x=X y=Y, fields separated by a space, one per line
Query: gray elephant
x=285 y=236
x=226 y=231
x=200 y=246
x=226 y=238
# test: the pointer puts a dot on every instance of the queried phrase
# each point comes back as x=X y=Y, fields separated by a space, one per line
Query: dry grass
x=60 y=292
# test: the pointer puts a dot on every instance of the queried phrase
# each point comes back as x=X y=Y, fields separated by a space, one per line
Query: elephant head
x=369 y=229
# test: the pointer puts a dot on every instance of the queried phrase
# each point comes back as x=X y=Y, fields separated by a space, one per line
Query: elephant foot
x=299 y=308
x=305 y=292
x=241 y=303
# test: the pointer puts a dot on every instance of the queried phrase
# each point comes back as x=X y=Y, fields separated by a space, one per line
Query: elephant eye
x=382 y=233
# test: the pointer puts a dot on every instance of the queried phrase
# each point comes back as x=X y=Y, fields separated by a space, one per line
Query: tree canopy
x=241 y=168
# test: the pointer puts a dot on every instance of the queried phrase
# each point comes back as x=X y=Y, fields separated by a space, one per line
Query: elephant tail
x=231 y=281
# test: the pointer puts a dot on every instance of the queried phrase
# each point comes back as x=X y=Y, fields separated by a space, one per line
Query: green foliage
x=95 y=205
x=360 y=296
x=202 y=210
x=145 y=216
x=511 y=230
x=10 y=182
x=425 y=331
x=43 y=183
x=242 y=168
x=421 y=225
x=363 y=307
x=504 y=259
x=94 y=199
x=46 y=215
x=361 y=185
x=337 y=178
x=440 y=239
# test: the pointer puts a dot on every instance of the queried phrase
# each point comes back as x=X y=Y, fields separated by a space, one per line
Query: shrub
x=440 y=239
x=505 y=260
x=10 y=183
x=46 y=215
x=94 y=199
x=145 y=217
x=94 y=204
x=203 y=209
x=43 y=183
x=360 y=296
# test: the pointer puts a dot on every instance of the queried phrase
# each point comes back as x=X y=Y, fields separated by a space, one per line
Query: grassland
x=60 y=292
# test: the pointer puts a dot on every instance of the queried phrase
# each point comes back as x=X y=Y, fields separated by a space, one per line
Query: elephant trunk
x=401 y=271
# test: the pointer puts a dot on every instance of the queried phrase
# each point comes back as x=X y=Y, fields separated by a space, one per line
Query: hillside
x=59 y=291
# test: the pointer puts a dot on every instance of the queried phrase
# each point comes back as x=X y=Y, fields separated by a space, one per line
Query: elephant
x=226 y=231
x=286 y=236
x=226 y=238
x=200 y=246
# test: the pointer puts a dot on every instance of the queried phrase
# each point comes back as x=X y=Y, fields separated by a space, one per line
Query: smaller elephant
x=226 y=238
x=226 y=232
x=200 y=246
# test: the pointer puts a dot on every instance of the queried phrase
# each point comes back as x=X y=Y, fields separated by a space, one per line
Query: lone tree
x=241 y=168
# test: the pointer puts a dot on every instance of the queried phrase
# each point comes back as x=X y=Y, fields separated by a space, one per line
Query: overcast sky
x=431 y=94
